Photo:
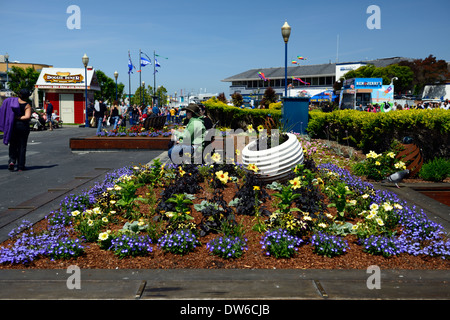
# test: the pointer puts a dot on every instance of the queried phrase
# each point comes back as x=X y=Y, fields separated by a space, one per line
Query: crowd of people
x=119 y=114
x=386 y=107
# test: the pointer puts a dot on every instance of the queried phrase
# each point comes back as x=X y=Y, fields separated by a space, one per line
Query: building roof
x=328 y=69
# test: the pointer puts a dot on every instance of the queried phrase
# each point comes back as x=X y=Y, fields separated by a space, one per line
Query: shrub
x=131 y=245
x=375 y=131
x=328 y=245
x=380 y=245
x=435 y=170
x=280 y=243
x=179 y=242
x=227 y=247
x=66 y=248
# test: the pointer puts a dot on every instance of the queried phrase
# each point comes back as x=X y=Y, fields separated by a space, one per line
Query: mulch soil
x=253 y=258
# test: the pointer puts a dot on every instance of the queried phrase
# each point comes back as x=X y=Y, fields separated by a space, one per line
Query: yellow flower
x=391 y=154
x=377 y=163
x=222 y=176
x=387 y=206
x=256 y=188
x=103 y=236
x=400 y=165
x=296 y=183
x=354 y=227
x=380 y=222
x=252 y=167
x=90 y=223
x=182 y=172
x=75 y=213
x=397 y=206
x=215 y=157
x=260 y=128
x=104 y=219
x=250 y=128
x=238 y=152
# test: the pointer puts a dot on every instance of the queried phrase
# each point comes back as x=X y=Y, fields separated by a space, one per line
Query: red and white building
x=65 y=89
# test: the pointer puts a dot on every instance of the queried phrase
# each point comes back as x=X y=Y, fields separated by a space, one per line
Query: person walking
x=48 y=113
x=115 y=114
x=100 y=115
x=15 y=114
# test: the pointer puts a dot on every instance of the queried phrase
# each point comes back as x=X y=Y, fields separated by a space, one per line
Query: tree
x=146 y=96
x=221 y=97
x=161 y=94
x=427 y=71
x=237 y=98
x=270 y=96
x=108 y=88
x=20 y=78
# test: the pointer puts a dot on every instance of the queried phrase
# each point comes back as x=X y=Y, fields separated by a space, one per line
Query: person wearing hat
x=15 y=114
x=190 y=140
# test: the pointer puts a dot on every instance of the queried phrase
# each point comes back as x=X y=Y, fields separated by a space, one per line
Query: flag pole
x=140 y=74
x=154 y=77
x=129 y=81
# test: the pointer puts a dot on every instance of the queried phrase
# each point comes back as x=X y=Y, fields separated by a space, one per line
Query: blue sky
x=207 y=41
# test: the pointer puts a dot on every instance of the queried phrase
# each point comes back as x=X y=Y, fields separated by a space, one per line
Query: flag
x=145 y=61
x=157 y=63
x=130 y=64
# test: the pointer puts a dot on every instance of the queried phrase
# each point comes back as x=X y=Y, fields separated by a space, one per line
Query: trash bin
x=294 y=114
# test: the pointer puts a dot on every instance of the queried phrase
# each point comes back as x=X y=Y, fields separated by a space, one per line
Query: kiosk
x=364 y=91
x=65 y=89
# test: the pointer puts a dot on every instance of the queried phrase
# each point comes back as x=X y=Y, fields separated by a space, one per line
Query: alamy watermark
x=74 y=280
x=374 y=21
x=374 y=280
x=74 y=20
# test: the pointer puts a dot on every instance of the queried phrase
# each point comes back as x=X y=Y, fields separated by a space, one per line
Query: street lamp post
x=7 y=78
x=285 y=32
x=85 y=60
x=116 y=74
x=143 y=93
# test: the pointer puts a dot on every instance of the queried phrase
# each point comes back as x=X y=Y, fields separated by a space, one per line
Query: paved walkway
x=200 y=287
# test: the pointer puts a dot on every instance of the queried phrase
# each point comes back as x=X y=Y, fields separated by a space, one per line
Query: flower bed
x=222 y=216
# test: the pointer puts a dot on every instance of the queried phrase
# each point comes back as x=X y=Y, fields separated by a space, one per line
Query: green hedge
x=238 y=118
x=375 y=131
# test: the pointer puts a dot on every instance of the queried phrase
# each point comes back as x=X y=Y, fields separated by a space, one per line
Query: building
x=306 y=80
x=6 y=65
x=65 y=89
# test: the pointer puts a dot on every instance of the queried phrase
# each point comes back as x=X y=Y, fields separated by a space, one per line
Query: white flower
x=373 y=206
x=387 y=206
x=365 y=196
x=90 y=223
x=97 y=210
x=397 y=206
x=322 y=225
x=103 y=236
x=105 y=219
x=75 y=213
x=379 y=221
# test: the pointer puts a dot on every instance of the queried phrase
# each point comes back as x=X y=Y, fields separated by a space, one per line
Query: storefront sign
x=63 y=77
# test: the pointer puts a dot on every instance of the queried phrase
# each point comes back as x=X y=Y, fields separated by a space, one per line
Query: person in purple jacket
x=15 y=114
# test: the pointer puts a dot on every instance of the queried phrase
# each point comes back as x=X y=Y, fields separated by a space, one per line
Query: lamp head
x=286 y=31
